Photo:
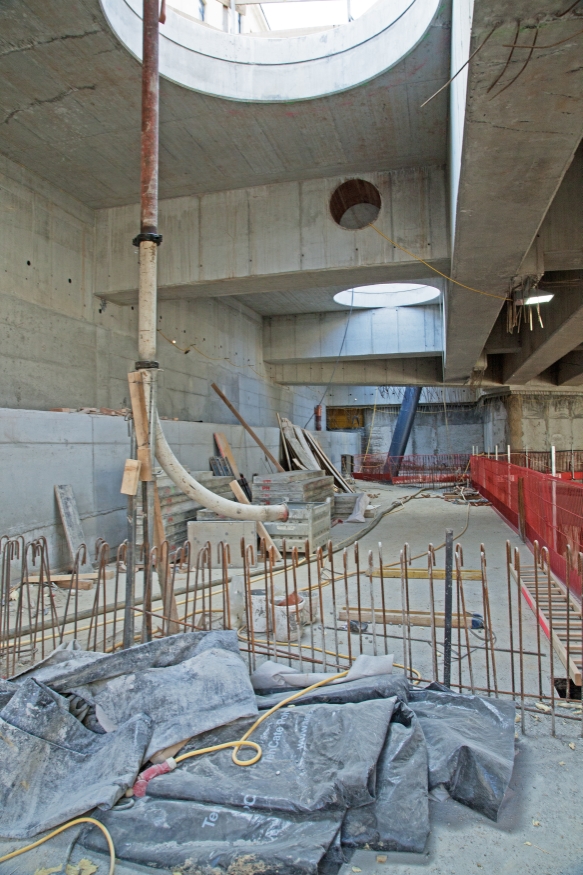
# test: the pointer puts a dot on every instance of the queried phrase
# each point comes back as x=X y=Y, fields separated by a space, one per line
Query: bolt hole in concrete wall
x=355 y=204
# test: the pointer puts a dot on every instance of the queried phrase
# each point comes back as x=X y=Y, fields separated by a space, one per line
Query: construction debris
x=348 y=767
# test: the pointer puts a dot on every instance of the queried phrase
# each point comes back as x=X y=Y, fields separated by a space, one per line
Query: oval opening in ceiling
x=388 y=295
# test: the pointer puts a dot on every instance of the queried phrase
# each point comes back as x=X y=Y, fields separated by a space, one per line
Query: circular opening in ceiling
x=355 y=204
x=388 y=295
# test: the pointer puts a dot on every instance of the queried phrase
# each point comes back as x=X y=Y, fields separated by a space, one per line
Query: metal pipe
x=191 y=487
x=448 y=607
x=148 y=241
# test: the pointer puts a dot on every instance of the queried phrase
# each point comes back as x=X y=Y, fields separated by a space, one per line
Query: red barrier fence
x=540 y=507
x=568 y=463
x=447 y=469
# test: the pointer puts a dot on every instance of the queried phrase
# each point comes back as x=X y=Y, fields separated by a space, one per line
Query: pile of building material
x=306 y=522
x=344 y=505
x=177 y=509
x=294 y=486
x=303 y=451
x=349 y=766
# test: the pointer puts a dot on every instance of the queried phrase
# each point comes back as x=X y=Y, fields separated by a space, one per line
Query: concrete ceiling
x=517 y=146
x=70 y=111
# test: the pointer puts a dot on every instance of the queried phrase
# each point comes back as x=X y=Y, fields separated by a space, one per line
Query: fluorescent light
x=538 y=299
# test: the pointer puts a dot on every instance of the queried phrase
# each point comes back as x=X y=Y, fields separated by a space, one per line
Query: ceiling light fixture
x=533 y=300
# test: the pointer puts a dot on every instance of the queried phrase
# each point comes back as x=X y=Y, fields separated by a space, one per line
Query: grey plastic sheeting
x=470 y=743
x=187 y=684
x=361 y=690
x=211 y=840
x=398 y=819
x=53 y=769
x=66 y=667
x=7 y=690
x=317 y=757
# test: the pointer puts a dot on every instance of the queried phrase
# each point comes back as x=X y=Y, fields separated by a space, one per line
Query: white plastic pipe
x=195 y=490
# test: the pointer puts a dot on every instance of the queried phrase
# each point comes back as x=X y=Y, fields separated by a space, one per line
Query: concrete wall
x=279 y=237
x=40 y=449
x=433 y=430
x=59 y=347
x=537 y=421
x=379 y=333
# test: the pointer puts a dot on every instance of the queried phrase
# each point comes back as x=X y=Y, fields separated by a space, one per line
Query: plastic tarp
x=7 y=690
x=398 y=819
x=315 y=758
x=361 y=690
x=272 y=675
x=211 y=840
x=187 y=684
x=470 y=743
x=53 y=769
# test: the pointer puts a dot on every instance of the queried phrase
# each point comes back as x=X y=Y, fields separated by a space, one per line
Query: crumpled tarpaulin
x=315 y=758
x=470 y=742
x=53 y=769
x=362 y=690
x=7 y=690
x=398 y=819
x=187 y=683
x=205 y=839
x=273 y=676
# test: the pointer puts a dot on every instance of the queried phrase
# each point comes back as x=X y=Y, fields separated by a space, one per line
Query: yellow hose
x=65 y=826
x=243 y=742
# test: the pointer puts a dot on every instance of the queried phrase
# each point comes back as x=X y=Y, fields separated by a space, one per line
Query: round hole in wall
x=355 y=204
x=70 y=280
x=28 y=262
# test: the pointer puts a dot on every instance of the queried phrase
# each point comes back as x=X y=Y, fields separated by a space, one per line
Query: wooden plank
x=226 y=452
x=261 y=530
x=284 y=443
x=131 y=477
x=423 y=573
x=71 y=522
x=328 y=465
x=247 y=427
x=140 y=416
x=395 y=618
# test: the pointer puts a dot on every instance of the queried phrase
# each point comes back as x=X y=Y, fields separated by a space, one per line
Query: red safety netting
x=437 y=470
x=541 y=507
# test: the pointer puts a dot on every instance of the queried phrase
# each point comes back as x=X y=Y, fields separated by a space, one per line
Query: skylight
x=388 y=295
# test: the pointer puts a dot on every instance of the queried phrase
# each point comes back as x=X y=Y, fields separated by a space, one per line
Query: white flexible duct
x=196 y=491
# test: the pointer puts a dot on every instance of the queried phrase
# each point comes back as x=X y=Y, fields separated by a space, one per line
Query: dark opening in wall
x=355 y=204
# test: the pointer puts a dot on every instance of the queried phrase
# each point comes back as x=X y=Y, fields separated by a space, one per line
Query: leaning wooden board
x=71 y=523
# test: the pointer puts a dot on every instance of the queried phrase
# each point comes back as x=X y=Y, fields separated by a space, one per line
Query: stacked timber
x=177 y=508
x=292 y=486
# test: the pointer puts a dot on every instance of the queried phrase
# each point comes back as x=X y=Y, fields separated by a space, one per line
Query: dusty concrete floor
x=547 y=784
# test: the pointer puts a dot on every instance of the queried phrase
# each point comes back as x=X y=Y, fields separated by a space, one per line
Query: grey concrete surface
x=74 y=89
x=377 y=372
x=547 y=784
x=59 y=346
x=512 y=153
x=279 y=237
x=387 y=332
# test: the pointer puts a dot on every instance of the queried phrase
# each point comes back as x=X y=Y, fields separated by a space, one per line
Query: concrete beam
x=570 y=369
x=510 y=151
x=278 y=237
x=542 y=347
x=379 y=372
x=385 y=333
